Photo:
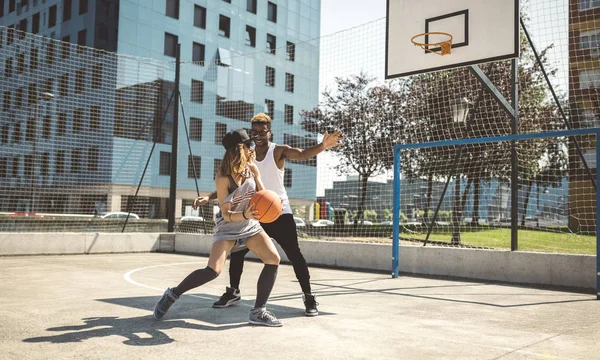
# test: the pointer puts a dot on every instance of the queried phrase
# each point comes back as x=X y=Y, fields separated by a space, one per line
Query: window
x=28 y=166
x=11 y=6
x=589 y=79
x=32 y=94
x=15 y=168
x=5 y=130
x=270 y=76
x=220 y=131
x=8 y=67
x=289 y=82
x=119 y=126
x=272 y=13
x=17 y=133
x=67 y=5
x=171 y=44
x=30 y=129
x=165 y=163
x=95 y=117
x=198 y=53
x=197 y=94
x=588 y=4
x=216 y=166
x=1 y=8
x=93 y=158
x=291 y=51
x=270 y=108
x=172 y=9
x=20 y=63
x=10 y=35
x=199 y=17
x=61 y=125
x=46 y=127
x=80 y=81
x=97 y=76
x=48 y=85
x=251 y=6
x=76 y=161
x=81 y=40
x=50 y=52
x=45 y=163
x=195 y=129
x=6 y=105
x=250 y=36
x=83 y=6
x=3 y=165
x=289 y=114
x=1 y=36
x=63 y=87
x=194 y=163
x=52 y=16
x=287 y=178
x=60 y=162
x=35 y=23
x=19 y=98
x=23 y=28
x=224 y=26
x=33 y=59
x=271 y=43
x=65 y=47
x=77 y=120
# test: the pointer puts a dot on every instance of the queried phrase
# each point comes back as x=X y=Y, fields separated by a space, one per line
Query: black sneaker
x=230 y=297
x=311 y=305
x=165 y=302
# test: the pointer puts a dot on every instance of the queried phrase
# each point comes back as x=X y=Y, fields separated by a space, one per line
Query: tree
x=428 y=106
x=371 y=119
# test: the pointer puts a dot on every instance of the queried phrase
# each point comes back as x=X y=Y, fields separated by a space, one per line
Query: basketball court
x=100 y=307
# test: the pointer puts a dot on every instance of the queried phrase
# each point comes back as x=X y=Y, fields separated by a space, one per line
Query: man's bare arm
x=329 y=141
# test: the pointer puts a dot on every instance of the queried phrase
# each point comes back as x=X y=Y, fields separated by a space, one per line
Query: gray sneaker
x=165 y=302
x=263 y=317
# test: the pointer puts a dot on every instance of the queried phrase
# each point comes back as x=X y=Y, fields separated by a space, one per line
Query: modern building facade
x=584 y=81
x=100 y=113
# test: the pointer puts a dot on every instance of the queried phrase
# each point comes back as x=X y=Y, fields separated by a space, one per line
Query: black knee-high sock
x=236 y=267
x=265 y=284
x=194 y=279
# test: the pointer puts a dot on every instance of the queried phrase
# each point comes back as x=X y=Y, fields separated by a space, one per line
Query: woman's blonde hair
x=235 y=161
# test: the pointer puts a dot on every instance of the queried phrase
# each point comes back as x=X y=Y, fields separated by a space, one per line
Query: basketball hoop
x=440 y=48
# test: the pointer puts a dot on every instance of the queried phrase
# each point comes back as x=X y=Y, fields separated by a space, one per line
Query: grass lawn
x=529 y=240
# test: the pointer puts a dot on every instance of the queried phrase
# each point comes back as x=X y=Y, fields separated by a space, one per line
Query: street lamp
x=460 y=110
x=45 y=97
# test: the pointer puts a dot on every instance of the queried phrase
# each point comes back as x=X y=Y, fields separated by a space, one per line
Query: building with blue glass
x=82 y=112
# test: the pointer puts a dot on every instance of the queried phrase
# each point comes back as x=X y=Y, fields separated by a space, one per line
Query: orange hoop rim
x=425 y=46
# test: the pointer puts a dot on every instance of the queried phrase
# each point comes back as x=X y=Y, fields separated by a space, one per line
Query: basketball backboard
x=482 y=31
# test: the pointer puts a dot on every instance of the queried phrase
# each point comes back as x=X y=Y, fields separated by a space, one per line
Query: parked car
x=192 y=218
x=387 y=222
x=364 y=222
x=119 y=215
x=299 y=222
x=24 y=213
x=322 y=223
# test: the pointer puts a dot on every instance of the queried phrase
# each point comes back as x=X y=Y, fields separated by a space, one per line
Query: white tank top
x=272 y=177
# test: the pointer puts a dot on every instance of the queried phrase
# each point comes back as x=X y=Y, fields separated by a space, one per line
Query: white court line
x=128 y=278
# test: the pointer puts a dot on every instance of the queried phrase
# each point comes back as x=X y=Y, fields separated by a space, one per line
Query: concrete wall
x=76 y=243
x=574 y=271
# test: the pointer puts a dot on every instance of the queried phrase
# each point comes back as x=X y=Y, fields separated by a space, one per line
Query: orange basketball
x=268 y=205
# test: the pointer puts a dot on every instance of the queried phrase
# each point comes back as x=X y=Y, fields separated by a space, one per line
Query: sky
x=336 y=18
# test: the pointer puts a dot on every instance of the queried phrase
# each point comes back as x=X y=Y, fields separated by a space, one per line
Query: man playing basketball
x=270 y=159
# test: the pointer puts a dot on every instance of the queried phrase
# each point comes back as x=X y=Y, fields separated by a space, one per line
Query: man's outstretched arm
x=329 y=141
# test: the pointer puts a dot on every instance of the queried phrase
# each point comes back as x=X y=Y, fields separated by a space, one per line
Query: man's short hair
x=261 y=118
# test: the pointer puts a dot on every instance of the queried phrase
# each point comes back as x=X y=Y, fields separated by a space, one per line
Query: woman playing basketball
x=236 y=228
